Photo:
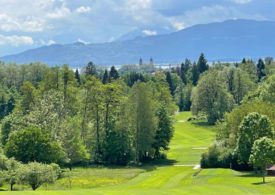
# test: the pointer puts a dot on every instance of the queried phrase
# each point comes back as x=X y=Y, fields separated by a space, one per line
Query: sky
x=26 y=24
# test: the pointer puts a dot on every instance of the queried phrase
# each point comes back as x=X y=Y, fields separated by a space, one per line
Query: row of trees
x=72 y=118
x=245 y=138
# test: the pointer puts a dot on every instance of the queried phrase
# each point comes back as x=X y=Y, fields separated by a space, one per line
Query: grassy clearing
x=186 y=147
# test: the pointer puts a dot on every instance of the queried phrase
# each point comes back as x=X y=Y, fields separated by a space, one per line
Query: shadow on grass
x=153 y=165
x=201 y=123
x=249 y=174
x=149 y=165
x=261 y=183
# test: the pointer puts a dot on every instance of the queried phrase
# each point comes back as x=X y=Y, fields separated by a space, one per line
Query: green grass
x=186 y=147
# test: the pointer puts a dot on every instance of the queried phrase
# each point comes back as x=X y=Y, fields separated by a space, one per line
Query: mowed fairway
x=179 y=177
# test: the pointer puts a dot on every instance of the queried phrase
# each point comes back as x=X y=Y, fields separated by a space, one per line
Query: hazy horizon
x=63 y=21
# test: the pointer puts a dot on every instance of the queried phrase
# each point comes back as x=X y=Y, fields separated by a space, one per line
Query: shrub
x=35 y=174
x=33 y=145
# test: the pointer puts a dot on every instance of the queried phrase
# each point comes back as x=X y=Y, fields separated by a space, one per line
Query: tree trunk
x=97 y=133
x=84 y=116
x=107 y=119
x=264 y=172
x=34 y=187
x=11 y=186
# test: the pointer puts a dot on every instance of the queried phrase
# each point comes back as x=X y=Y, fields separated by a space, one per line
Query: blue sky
x=26 y=24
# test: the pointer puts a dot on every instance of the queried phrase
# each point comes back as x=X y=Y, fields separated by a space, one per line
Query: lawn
x=190 y=140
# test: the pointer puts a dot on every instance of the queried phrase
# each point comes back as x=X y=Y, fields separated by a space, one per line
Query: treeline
x=96 y=115
x=57 y=115
x=240 y=100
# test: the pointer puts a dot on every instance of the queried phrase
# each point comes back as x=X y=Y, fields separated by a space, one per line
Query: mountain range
x=221 y=41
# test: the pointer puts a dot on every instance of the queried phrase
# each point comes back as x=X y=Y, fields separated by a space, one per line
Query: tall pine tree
x=195 y=74
x=77 y=77
x=171 y=83
x=105 y=78
x=202 y=64
x=114 y=73
x=90 y=69
x=261 y=70
x=164 y=131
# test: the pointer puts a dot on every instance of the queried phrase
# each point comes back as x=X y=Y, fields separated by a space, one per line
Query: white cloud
x=149 y=32
x=241 y=1
x=59 y=13
x=178 y=25
x=48 y=43
x=8 y=24
x=82 y=41
x=139 y=4
x=51 y=42
x=16 y=40
x=215 y=13
x=83 y=9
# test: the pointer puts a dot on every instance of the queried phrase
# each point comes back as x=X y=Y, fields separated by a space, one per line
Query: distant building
x=271 y=171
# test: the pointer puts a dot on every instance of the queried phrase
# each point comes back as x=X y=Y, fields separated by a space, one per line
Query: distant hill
x=226 y=41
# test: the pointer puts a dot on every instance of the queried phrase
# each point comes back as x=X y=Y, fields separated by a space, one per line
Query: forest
x=56 y=118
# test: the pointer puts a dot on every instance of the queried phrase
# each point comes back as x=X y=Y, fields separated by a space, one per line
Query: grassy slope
x=186 y=147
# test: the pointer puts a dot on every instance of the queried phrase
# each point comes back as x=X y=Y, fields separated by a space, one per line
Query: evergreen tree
x=77 y=77
x=244 y=61
x=2 y=107
x=164 y=131
x=202 y=64
x=260 y=70
x=195 y=74
x=183 y=70
x=105 y=78
x=114 y=73
x=90 y=69
x=171 y=83
x=133 y=77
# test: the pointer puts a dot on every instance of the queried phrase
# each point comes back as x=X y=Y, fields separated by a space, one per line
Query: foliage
x=202 y=64
x=114 y=75
x=261 y=73
x=164 y=131
x=183 y=97
x=265 y=91
x=254 y=126
x=217 y=156
x=211 y=97
x=142 y=120
x=229 y=130
x=32 y=144
x=35 y=174
x=13 y=172
x=90 y=69
x=262 y=154
x=72 y=143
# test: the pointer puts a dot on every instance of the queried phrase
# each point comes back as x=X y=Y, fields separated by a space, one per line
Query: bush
x=217 y=156
x=33 y=145
x=57 y=170
x=35 y=174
